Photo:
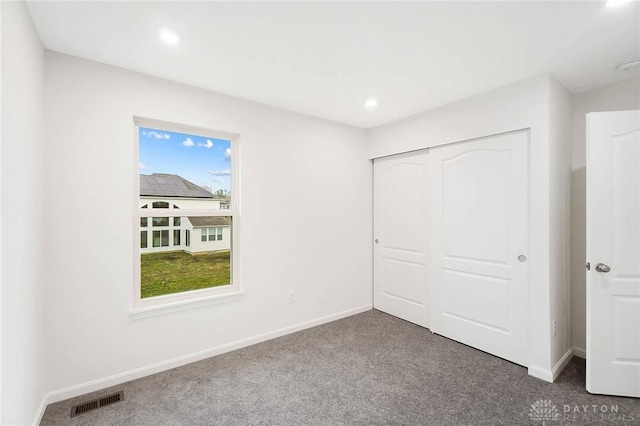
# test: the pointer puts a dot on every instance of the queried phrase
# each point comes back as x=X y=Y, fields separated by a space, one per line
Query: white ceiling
x=326 y=59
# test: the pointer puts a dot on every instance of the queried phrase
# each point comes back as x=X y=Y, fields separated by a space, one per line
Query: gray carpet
x=368 y=369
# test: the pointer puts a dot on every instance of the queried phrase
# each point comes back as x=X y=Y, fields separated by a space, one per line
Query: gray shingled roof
x=199 y=221
x=167 y=185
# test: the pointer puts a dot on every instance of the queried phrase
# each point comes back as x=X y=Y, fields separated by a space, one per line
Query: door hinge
x=588 y=265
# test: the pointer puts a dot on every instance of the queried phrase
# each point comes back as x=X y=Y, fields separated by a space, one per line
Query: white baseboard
x=40 y=412
x=551 y=375
x=116 y=379
x=541 y=373
x=580 y=352
x=560 y=365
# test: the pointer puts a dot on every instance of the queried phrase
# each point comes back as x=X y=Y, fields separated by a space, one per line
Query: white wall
x=301 y=161
x=559 y=222
x=615 y=97
x=23 y=351
x=521 y=105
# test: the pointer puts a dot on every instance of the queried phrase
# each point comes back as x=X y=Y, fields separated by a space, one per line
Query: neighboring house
x=179 y=233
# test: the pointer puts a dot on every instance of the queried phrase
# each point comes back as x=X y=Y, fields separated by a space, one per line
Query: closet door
x=613 y=250
x=400 y=236
x=478 y=202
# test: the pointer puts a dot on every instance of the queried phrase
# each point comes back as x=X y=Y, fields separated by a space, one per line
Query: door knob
x=377 y=241
x=601 y=267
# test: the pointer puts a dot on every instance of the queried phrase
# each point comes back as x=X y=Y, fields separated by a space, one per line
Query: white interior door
x=613 y=250
x=400 y=232
x=479 y=234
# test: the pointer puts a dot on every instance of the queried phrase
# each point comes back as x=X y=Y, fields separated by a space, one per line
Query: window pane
x=167 y=269
x=160 y=221
x=176 y=221
x=195 y=171
x=143 y=222
x=156 y=238
x=143 y=239
x=203 y=234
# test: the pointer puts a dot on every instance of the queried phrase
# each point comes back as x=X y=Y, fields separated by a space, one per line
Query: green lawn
x=174 y=272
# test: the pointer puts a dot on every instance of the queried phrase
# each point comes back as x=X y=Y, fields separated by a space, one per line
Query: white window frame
x=158 y=305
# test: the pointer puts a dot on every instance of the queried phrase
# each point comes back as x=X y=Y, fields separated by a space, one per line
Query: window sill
x=167 y=308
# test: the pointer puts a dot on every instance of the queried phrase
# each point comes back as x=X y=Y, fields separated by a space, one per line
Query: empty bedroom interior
x=335 y=125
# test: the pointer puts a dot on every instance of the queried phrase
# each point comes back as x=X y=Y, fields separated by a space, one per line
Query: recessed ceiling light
x=616 y=3
x=629 y=65
x=371 y=103
x=169 y=36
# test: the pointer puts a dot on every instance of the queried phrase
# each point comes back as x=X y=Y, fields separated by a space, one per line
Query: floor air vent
x=78 y=409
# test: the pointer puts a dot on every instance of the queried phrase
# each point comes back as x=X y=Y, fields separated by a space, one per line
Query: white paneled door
x=400 y=233
x=613 y=250
x=478 y=234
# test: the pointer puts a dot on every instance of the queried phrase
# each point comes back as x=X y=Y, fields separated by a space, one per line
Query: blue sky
x=201 y=160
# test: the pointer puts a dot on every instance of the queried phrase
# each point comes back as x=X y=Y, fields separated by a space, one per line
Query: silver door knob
x=377 y=241
x=522 y=258
x=601 y=267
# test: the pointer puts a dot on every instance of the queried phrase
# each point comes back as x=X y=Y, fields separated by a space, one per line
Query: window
x=211 y=234
x=160 y=221
x=193 y=171
x=161 y=238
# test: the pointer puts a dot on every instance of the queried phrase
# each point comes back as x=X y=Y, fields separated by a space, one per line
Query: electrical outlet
x=292 y=297
x=555 y=327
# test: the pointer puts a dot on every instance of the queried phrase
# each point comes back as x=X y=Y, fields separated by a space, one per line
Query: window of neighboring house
x=160 y=221
x=143 y=239
x=194 y=169
x=161 y=238
x=211 y=234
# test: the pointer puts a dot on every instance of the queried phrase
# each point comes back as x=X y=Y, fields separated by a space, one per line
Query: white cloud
x=187 y=142
x=143 y=166
x=155 y=135
x=220 y=172
x=227 y=154
x=207 y=145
